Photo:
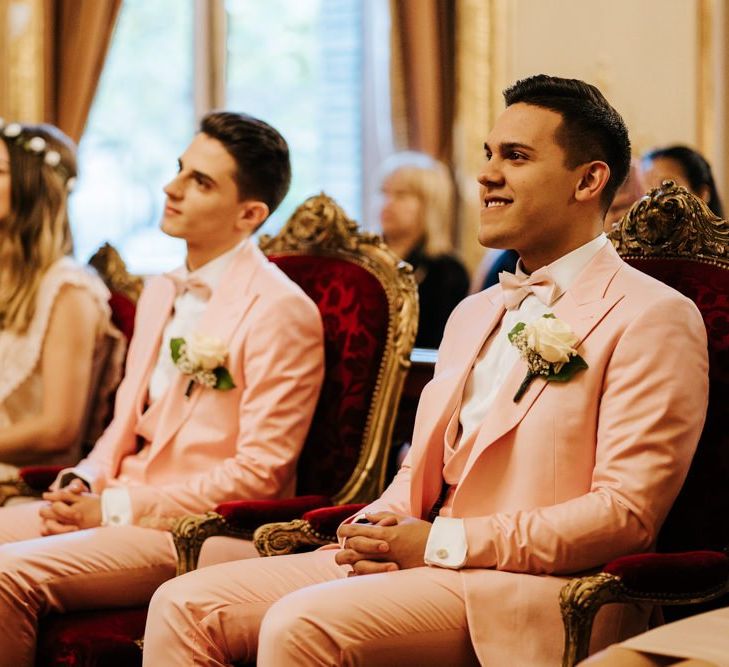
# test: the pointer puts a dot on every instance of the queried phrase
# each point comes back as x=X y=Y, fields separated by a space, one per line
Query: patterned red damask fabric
x=354 y=310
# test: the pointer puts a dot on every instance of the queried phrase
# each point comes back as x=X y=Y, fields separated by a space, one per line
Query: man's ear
x=251 y=215
x=595 y=176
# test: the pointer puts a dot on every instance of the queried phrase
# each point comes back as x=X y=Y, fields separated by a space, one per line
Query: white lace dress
x=21 y=389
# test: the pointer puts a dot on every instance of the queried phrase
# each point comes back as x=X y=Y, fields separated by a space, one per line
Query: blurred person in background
x=632 y=189
x=686 y=167
x=416 y=213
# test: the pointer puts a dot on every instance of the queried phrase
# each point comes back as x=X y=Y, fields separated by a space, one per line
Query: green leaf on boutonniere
x=224 y=379
x=175 y=345
x=518 y=328
x=576 y=363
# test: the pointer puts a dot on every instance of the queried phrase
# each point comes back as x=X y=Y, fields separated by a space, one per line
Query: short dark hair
x=697 y=169
x=259 y=151
x=591 y=129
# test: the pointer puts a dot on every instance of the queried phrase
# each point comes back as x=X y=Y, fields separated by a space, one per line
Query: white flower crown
x=37 y=146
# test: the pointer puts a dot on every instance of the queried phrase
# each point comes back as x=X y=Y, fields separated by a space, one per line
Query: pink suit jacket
x=217 y=445
x=574 y=474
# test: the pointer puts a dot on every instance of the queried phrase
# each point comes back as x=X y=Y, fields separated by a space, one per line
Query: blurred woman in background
x=416 y=214
x=685 y=167
x=55 y=331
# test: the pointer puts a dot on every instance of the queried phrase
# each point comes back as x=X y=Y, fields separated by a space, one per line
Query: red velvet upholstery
x=326 y=520
x=123 y=312
x=698 y=519
x=354 y=311
x=247 y=515
x=91 y=639
x=39 y=478
x=677 y=574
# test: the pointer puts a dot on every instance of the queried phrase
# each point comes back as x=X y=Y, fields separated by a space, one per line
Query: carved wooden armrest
x=190 y=532
x=665 y=579
x=15 y=488
x=314 y=529
x=579 y=600
x=288 y=537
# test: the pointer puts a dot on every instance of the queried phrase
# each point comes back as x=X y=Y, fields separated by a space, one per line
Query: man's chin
x=168 y=228
x=494 y=241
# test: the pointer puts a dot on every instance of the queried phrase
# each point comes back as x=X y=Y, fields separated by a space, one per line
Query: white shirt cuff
x=447 y=546
x=116 y=507
x=67 y=475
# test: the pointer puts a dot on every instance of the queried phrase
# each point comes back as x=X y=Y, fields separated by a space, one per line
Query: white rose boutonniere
x=202 y=357
x=547 y=345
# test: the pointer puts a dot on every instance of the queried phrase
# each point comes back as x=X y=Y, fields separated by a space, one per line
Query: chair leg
x=580 y=600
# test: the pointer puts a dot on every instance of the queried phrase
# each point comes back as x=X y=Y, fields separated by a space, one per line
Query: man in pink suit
x=510 y=486
x=221 y=418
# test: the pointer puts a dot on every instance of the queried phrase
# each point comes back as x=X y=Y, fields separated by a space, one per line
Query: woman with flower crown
x=55 y=330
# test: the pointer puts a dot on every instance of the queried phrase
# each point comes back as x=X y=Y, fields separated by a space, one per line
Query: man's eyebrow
x=201 y=176
x=509 y=146
x=198 y=175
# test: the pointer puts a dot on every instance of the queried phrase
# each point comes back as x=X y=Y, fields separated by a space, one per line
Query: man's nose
x=490 y=173
x=173 y=189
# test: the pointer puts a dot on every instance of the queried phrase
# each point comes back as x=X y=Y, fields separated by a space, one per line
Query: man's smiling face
x=527 y=190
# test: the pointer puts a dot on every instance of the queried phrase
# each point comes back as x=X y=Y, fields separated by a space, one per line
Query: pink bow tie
x=191 y=284
x=516 y=288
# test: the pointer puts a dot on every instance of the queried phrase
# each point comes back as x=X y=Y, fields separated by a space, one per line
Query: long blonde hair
x=36 y=233
x=432 y=183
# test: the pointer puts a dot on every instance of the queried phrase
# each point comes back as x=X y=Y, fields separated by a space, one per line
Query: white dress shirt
x=116 y=506
x=446 y=546
x=188 y=310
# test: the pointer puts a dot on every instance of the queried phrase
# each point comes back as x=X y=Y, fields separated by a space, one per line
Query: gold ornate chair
x=125 y=289
x=673 y=236
x=367 y=298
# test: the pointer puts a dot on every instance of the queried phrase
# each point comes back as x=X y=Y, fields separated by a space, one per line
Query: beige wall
x=643 y=54
x=662 y=63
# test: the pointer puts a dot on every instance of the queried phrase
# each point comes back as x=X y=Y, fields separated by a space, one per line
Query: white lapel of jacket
x=231 y=299
x=583 y=306
x=455 y=365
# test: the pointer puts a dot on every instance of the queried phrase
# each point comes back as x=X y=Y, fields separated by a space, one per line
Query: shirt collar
x=212 y=272
x=565 y=269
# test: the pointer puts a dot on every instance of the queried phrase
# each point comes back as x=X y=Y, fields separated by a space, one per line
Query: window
x=295 y=63
x=141 y=120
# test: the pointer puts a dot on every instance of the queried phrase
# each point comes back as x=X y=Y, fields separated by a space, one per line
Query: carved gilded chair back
x=368 y=301
x=125 y=287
